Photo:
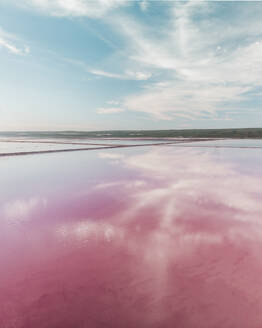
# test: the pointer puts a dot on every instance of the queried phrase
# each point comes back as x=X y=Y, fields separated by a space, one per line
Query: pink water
x=157 y=237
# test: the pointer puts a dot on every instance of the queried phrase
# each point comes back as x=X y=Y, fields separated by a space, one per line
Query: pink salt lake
x=150 y=237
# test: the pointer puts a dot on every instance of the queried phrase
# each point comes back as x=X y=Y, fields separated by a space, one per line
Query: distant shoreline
x=243 y=133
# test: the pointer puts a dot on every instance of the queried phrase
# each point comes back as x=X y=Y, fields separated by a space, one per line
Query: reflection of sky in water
x=152 y=237
x=229 y=143
x=17 y=147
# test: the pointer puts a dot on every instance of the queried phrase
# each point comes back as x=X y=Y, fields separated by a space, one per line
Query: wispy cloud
x=197 y=62
x=207 y=64
x=21 y=209
x=113 y=102
x=109 y=110
x=10 y=47
x=182 y=100
x=127 y=75
x=8 y=42
x=71 y=7
x=144 y=5
x=105 y=74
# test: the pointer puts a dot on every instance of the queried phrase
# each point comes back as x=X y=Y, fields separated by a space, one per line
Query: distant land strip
x=238 y=133
x=159 y=140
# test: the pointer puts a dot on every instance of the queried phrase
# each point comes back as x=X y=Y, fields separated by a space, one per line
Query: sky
x=116 y=64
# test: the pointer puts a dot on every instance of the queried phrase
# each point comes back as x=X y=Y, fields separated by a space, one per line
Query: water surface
x=139 y=237
x=9 y=147
x=239 y=143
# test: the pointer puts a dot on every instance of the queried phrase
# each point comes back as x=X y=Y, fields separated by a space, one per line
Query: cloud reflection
x=21 y=210
x=173 y=242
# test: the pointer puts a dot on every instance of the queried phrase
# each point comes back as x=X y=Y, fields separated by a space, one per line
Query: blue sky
x=115 y=64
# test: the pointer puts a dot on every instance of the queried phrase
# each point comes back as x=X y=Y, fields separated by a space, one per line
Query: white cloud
x=128 y=75
x=71 y=7
x=144 y=5
x=140 y=76
x=10 y=47
x=8 y=42
x=109 y=110
x=207 y=64
x=202 y=62
x=113 y=102
x=105 y=74
x=27 y=49
x=178 y=99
